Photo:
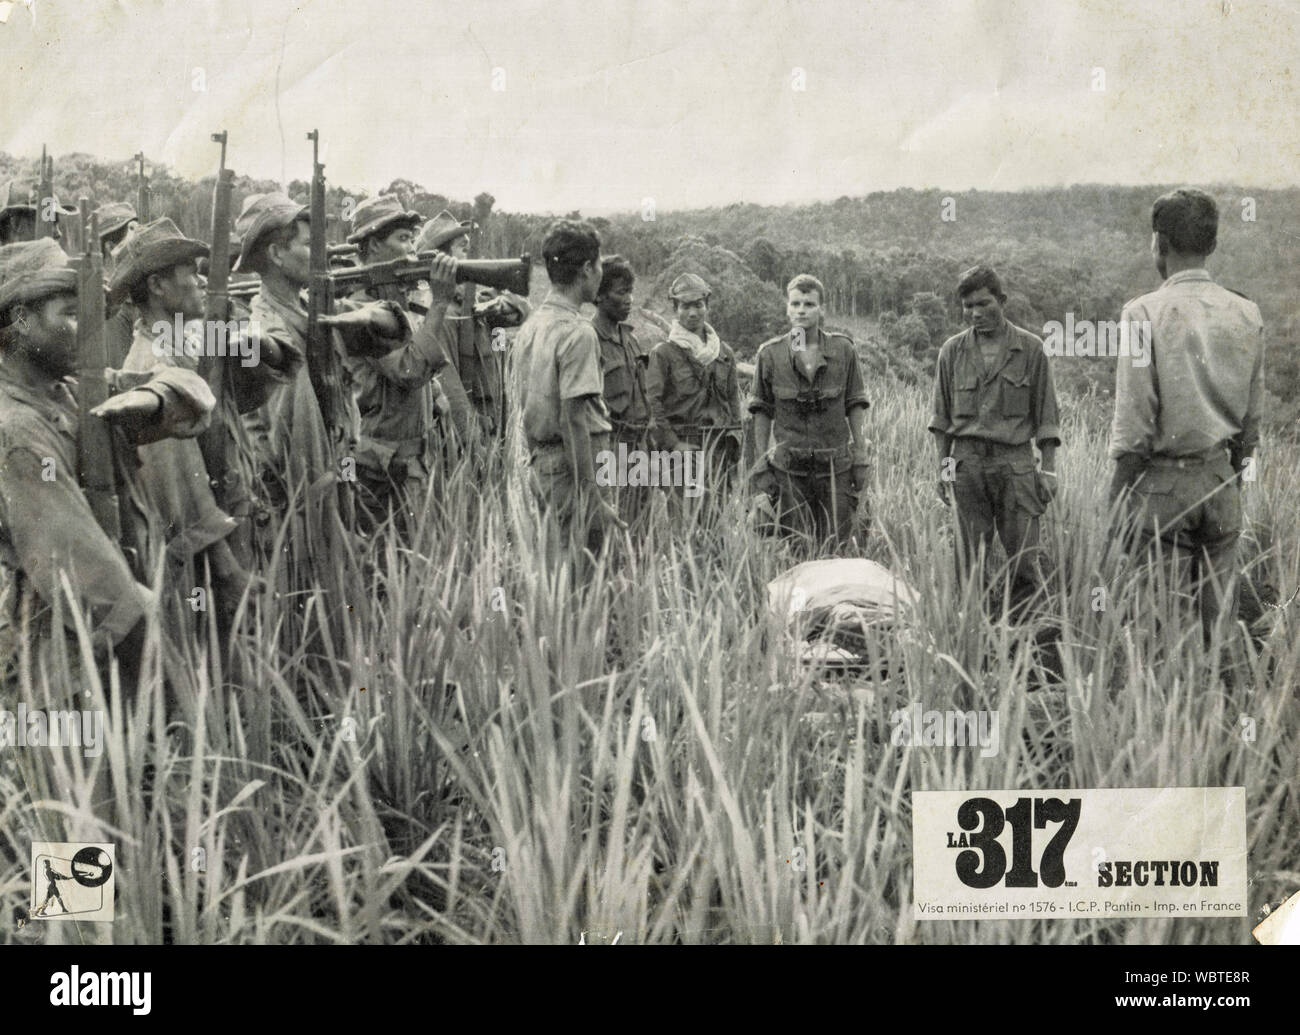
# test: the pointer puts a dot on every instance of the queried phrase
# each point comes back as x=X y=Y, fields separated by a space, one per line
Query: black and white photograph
x=543 y=473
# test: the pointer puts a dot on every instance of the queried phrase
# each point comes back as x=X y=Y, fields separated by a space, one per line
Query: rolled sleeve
x=1047 y=419
x=855 y=389
x=578 y=363
x=187 y=402
x=762 y=399
x=941 y=399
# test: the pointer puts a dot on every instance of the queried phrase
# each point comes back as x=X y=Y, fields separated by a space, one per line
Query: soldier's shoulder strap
x=1239 y=294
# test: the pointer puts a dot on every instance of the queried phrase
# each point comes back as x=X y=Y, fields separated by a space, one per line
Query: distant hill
x=889 y=260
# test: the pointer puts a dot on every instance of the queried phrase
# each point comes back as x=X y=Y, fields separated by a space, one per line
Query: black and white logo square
x=72 y=880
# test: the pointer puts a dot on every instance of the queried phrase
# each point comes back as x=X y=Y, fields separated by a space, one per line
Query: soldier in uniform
x=398 y=394
x=808 y=401
x=692 y=385
x=1187 y=421
x=297 y=450
x=116 y=219
x=47 y=529
x=475 y=350
x=558 y=391
x=993 y=397
x=21 y=206
x=623 y=363
x=156 y=267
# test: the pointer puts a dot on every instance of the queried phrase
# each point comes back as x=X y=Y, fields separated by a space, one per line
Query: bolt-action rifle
x=95 y=468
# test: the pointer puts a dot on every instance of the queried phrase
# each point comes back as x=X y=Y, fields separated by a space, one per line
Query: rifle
x=506 y=274
x=141 y=191
x=95 y=469
x=46 y=227
x=322 y=362
x=216 y=308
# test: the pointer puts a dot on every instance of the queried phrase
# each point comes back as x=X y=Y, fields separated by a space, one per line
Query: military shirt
x=1013 y=403
x=47 y=528
x=686 y=399
x=557 y=357
x=623 y=363
x=1203 y=379
x=477 y=362
x=289 y=431
x=173 y=473
x=808 y=415
x=395 y=395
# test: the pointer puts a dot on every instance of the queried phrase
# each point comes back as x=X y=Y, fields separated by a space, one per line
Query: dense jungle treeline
x=889 y=260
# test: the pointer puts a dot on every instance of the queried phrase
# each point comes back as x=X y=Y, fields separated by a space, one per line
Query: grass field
x=461 y=748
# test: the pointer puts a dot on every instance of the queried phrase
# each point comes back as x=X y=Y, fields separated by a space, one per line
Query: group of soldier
x=424 y=381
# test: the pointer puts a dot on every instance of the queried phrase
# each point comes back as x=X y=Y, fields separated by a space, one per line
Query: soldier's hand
x=139 y=404
x=945 y=495
x=376 y=316
x=1047 y=486
x=860 y=476
x=442 y=278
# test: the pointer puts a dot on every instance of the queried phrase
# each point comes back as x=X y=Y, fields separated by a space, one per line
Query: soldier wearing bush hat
x=476 y=372
x=441 y=230
x=47 y=528
x=400 y=394
x=19 y=205
x=378 y=218
x=116 y=219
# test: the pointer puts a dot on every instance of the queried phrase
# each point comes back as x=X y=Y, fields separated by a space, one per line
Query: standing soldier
x=692 y=385
x=808 y=401
x=21 y=205
x=993 y=396
x=397 y=393
x=558 y=388
x=1187 y=421
x=116 y=219
x=48 y=531
x=156 y=267
x=297 y=449
x=476 y=354
x=623 y=363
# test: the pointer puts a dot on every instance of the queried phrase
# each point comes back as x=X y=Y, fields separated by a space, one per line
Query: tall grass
x=459 y=744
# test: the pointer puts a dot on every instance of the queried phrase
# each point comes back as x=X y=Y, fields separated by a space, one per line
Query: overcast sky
x=689 y=102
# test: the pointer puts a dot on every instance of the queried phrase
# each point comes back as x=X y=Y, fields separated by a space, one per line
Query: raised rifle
x=141 y=191
x=95 y=468
x=504 y=274
x=45 y=200
x=322 y=361
x=216 y=310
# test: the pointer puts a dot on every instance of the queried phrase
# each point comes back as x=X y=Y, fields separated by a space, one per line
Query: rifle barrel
x=95 y=468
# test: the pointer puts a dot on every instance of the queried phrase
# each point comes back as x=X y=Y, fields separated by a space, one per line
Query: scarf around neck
x=703 y=350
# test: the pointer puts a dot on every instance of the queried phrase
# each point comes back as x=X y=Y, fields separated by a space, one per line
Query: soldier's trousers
x=995 y=492
x=819 y=506
x=556 y=488
x=1189 y=511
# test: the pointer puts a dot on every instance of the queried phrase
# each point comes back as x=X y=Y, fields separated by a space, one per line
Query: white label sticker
x=1079 y=854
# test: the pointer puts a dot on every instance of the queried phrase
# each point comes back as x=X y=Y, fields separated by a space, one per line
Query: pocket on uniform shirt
x=965 y=401
x=1015 y=396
